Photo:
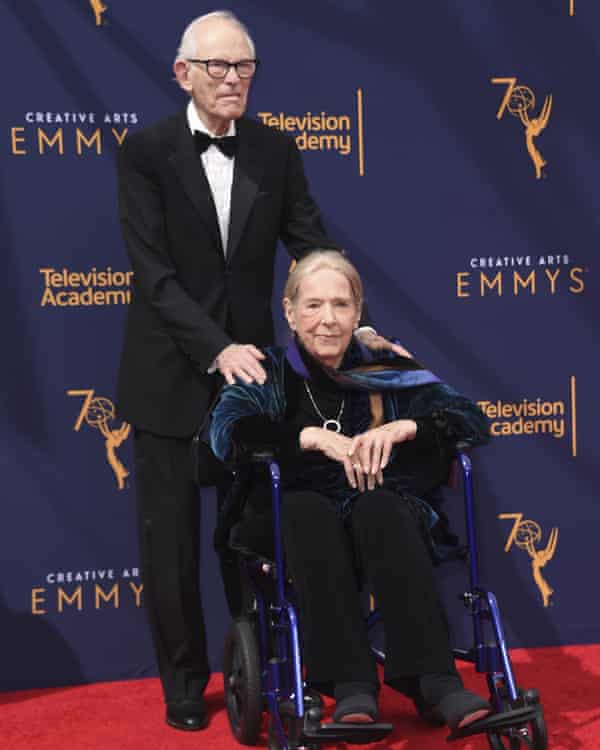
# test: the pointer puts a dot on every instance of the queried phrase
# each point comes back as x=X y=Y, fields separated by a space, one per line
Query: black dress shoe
x=187 y=715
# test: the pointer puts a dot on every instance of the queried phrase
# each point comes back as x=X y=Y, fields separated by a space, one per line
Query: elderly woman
x=361 y=442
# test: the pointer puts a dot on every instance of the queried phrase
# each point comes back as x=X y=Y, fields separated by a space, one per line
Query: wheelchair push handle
x=261 y=456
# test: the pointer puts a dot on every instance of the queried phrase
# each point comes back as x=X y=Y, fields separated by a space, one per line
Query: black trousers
x=169 y=538
x=383 y=539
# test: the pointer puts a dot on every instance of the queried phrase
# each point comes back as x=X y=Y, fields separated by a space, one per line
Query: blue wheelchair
x=262 y=666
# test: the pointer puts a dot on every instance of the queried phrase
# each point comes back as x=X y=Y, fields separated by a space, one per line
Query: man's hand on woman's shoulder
x=372 y=340
x=241 y=361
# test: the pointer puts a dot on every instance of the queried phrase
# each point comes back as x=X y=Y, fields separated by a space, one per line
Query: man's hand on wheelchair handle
x=241 y=361
x=372 y=340
x=372 y=449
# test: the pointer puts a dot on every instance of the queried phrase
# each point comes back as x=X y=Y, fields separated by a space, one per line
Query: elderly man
x=204 y=197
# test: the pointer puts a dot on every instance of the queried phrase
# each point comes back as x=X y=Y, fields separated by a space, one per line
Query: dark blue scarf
x=366 y=370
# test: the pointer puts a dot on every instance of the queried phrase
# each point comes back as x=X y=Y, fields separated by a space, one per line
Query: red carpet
x=129 y=715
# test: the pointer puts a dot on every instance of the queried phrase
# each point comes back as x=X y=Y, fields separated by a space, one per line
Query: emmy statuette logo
x=525 y=534
x=98 y=9
x=520 y=102
x=98 y=412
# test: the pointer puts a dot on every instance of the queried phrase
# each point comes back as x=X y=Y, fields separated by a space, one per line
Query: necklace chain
x=335 y=423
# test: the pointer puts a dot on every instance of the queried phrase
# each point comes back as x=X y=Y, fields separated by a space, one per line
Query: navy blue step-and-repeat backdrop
x=454 y=147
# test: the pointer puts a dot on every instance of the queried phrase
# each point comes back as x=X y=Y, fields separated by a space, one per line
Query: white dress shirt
x=219 y=171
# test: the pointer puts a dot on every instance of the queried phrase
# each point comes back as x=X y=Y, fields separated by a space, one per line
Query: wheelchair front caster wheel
x=532 y=735
x=242 y=682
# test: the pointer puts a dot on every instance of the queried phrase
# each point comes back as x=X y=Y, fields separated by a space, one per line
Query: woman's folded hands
x=365 y=456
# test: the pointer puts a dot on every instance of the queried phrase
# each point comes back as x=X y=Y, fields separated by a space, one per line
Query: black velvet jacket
x=417 y=469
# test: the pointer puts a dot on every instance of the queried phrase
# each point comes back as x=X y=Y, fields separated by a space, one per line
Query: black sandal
x=462 y=708
x=355 y=704
x=442 y=699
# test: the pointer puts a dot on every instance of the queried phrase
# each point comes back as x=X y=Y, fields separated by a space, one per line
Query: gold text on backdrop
x=534 y=417
x=324 y=131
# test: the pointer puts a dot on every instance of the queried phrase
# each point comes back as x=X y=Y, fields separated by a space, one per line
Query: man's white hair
x=187 y=46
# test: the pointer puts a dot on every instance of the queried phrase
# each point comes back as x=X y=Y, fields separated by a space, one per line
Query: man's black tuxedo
x=191 y=299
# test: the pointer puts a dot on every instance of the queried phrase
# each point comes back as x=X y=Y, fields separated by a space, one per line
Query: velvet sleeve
x=444 y=418
x=246 y=400
x=454 y=418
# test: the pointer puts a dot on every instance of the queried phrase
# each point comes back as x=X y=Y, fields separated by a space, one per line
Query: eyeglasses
x=220 y=68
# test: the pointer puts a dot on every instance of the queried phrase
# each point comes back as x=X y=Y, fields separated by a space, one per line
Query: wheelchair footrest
x=496 y=722
x=354 y=734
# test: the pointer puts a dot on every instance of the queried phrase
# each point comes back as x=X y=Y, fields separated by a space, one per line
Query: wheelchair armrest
x=261 y=456
x=462 y=446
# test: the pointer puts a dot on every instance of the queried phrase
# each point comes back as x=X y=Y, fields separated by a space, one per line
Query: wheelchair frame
x=255 y=681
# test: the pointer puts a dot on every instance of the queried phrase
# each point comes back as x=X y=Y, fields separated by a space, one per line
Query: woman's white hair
x=187 y=45
x=317 y=260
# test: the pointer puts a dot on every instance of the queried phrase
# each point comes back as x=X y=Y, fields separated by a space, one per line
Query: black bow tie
x=228 y=144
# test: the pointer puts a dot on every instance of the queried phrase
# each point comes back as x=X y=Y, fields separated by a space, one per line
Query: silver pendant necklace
x=334 y=425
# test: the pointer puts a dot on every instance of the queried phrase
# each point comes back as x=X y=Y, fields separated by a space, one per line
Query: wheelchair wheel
x=532 y=735
x=242 y=682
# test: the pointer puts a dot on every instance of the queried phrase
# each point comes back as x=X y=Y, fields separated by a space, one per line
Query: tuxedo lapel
x=247 y=173
x=188 y=165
